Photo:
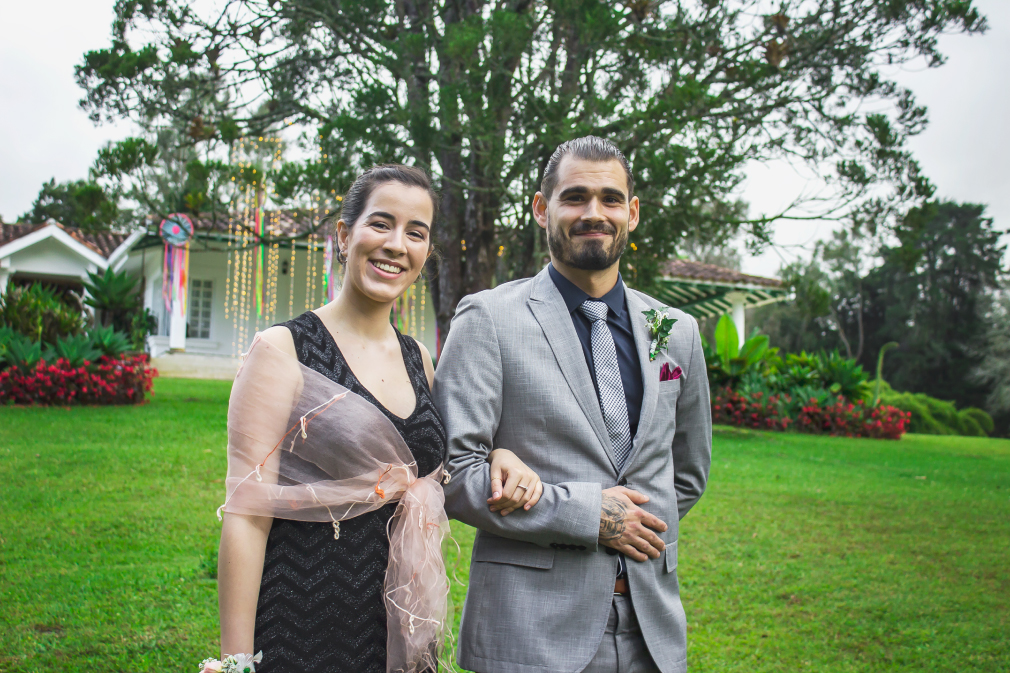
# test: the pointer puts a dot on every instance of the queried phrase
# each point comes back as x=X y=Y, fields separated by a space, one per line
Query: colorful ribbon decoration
x=176 y=231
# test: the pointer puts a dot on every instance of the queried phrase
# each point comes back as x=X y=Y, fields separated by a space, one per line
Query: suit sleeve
x=468 y=393
x=692 y=442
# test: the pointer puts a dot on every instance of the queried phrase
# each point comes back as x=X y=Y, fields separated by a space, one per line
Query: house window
x=200 y=293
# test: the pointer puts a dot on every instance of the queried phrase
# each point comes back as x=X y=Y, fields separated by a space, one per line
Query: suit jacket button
x=622 y=482
x=611 y=551
x=554 y=545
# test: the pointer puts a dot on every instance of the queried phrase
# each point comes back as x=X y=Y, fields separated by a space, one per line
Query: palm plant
x=115 y=295
x=23 y=352
x=109 y=341
x=75 y=349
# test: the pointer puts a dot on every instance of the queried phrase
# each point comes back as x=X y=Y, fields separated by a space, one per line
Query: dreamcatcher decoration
x=176 y=231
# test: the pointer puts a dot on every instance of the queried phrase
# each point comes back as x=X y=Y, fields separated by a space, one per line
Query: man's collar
x=574 y=295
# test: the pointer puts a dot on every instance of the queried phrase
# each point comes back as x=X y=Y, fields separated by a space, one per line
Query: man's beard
x=592 y=255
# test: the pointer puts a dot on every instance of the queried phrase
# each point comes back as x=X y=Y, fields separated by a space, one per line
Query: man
x=557 y=369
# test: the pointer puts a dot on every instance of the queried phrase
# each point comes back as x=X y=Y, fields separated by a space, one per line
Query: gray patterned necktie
x=608 y=379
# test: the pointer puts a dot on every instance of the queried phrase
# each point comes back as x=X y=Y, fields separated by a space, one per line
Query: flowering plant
x=660 y=323
x=108 y=380
x=233 y=663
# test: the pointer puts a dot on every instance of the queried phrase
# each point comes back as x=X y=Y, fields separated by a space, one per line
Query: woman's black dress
x=320 y=603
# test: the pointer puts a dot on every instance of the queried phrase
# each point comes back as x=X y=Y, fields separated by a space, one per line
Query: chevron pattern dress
x=320 y=603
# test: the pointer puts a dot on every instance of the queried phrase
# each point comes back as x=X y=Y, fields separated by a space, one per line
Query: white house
x=226 y=266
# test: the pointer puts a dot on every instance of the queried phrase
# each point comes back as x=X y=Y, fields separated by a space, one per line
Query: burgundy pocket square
x=667 y=374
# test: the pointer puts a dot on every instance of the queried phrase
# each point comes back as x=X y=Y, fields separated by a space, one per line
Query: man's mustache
x=592 y=228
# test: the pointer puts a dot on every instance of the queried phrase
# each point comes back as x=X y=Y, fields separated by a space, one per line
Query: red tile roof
x=104 y=243
x=680 y=268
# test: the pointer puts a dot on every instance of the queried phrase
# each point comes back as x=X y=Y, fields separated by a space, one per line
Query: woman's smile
x=387 y=269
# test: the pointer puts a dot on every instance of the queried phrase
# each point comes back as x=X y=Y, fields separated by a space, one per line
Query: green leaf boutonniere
x=660 y=324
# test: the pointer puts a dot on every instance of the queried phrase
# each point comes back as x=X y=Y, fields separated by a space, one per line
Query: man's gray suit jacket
x=513 y=375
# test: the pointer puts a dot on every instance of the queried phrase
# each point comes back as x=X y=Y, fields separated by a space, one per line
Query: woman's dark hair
x=366 y=183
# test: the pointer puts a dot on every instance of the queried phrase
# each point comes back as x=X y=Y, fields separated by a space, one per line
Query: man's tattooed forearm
x=612 y=514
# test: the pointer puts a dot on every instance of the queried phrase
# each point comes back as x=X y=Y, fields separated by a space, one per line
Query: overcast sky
x=964 y=150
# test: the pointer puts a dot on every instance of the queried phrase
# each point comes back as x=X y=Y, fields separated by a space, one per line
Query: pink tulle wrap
x=302 y=447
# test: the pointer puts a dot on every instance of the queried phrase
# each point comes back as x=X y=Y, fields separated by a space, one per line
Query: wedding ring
x=522 y=487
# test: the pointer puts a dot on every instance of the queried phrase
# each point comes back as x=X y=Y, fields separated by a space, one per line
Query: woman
x=310 y=600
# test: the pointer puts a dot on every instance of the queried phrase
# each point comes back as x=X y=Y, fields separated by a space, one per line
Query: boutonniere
x=660 y=324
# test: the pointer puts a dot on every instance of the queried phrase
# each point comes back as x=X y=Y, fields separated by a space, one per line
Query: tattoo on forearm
x=612 y=514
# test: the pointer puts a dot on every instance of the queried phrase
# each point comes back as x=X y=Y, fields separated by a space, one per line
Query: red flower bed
x=838 y=418
x=754 y=411
x=841 y=418
x=108 y=380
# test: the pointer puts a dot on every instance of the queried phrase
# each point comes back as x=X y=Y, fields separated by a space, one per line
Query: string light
x=291 y=289
x=413 y=304
x=423 y=293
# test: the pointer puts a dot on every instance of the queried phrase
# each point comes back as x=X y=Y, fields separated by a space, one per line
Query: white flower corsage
x=660 y=323
x=233 y=663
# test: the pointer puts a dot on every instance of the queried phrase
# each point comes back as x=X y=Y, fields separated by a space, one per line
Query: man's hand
x=625 y=526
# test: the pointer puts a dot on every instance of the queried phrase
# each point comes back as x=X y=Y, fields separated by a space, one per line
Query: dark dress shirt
x=619 y=322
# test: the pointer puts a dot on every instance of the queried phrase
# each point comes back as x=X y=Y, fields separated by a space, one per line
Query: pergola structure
x=707 y=290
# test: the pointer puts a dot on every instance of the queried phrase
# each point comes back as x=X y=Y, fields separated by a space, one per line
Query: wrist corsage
x=660 y=324
x=233 y=663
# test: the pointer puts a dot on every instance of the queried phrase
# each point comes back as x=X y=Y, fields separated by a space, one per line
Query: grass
x=806 y=553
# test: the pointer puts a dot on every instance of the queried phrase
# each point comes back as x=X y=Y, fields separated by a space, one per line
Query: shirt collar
x=574 y=296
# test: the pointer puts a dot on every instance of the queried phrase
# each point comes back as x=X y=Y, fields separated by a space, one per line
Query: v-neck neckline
x=372 y=398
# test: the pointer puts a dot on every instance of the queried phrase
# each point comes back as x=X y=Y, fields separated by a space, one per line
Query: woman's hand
x=513 y=484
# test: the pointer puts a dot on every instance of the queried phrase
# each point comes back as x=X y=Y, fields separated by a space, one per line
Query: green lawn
x=806 y=553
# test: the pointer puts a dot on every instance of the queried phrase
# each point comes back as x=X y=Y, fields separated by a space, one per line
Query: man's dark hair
x=590 y=148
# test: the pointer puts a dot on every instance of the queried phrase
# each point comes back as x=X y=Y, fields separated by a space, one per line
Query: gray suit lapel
x=549 y=309
x=650 y=370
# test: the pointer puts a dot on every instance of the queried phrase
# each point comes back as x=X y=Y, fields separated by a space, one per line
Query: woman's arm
x=239 y=571
x=262 y=398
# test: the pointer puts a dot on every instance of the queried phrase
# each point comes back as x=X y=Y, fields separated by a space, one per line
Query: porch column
x=177 y=327
x=5 y=273
x=737 y=300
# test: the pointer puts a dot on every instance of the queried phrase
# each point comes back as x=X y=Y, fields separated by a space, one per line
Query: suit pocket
x=494 y=549
x=668 y=387
x=671 y=556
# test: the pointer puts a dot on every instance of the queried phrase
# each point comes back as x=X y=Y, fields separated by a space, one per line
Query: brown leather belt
x=621 y=586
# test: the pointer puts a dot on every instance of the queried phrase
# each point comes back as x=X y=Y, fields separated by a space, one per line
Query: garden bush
x=757 y=410
x=931 y=416
x=91 y=368
x=108 y=380
x=810 y=410
x=38 y=313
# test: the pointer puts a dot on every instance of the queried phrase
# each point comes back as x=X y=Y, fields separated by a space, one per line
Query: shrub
x=757 y=410
x=727 y=360
x=106 y=381
x=37 y=313
x=931 y=416
x=816 y=413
